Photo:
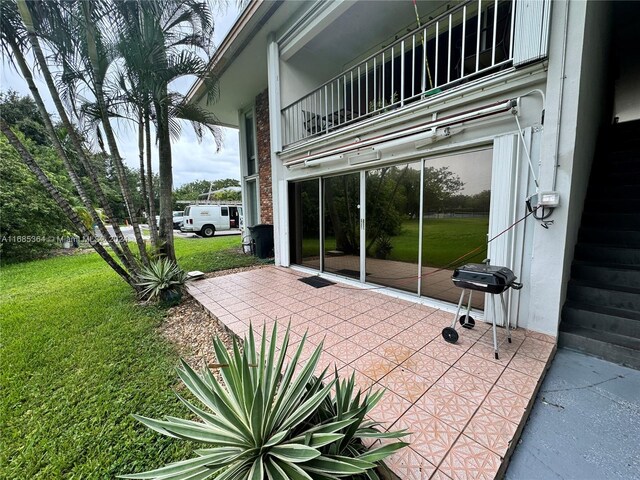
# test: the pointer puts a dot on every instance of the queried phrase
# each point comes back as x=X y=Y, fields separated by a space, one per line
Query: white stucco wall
x=573 y=118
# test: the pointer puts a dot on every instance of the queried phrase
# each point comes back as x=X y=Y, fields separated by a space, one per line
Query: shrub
x=162 y=280
x=264 y=421
x=383 y=246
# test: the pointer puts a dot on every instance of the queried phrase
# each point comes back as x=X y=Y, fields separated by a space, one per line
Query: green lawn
x=445 y=239
x=78 y=357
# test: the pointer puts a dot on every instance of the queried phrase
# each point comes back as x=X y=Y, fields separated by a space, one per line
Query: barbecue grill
x=484 y=278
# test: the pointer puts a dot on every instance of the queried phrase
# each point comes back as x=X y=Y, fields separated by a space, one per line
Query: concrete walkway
x=585 y=423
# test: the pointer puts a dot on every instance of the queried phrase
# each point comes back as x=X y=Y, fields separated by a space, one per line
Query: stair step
x=582 y=315
x=598 y=190
x=617 y=205
x=626 y=175
x=620 y=221
x=608 y=346
x=603 y=274
x=594 y=252
x=600 y=295
x=608 y=236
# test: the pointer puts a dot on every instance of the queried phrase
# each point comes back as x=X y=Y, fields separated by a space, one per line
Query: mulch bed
x=191 y=328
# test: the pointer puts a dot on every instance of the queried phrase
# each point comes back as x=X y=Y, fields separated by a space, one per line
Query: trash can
x=262 y=236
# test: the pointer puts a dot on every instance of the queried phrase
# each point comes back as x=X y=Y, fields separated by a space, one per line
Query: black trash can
x=262 y=236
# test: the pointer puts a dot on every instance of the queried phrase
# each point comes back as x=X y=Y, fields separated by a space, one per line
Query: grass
x=444 y=240
x=78 y=357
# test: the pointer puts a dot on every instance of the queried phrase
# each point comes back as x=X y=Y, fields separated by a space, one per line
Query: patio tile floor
x=464 y=409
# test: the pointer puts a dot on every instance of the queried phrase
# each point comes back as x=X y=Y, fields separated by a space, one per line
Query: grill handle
x=516 y=285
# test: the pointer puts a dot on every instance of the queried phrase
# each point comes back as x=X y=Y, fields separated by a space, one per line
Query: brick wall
x=264 y=157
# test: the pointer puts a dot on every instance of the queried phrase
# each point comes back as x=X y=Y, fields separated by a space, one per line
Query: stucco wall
x=575 y=100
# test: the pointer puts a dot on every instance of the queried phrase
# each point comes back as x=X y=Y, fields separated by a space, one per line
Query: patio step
x=608 y=346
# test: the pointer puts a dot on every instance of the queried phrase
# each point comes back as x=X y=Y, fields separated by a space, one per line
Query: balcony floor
x=464 y=408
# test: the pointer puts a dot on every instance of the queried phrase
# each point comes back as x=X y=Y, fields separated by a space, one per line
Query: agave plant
x=265 y=421
x=162 y=279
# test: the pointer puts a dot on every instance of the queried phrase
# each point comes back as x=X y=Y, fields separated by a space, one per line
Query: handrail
x=468 y=40
x=449 y=11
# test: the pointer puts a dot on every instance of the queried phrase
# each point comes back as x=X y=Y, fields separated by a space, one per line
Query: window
x=225 y=211
x=249 y=128
x=252 y=203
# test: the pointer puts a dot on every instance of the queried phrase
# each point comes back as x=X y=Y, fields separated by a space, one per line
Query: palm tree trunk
x=26 y=73
x=25 y=13
x=165 y=171
x=92 y=48
x=153 y=226
x=143 y=180
x=63 y=203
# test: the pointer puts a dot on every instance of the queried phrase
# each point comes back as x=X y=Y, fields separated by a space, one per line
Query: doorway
x=404 y=226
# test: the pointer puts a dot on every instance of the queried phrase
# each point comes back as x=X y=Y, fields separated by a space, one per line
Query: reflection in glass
x=342 y=225
x=455 y=219
x=393 y=217
x=304 y=226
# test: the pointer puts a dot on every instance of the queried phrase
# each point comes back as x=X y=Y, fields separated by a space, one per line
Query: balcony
x=470 y=40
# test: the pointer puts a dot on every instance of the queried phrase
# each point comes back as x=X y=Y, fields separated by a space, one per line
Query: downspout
x=565 y=35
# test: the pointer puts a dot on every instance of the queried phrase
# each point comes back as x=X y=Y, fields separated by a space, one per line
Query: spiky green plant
x=265 y=421
x=161 y=279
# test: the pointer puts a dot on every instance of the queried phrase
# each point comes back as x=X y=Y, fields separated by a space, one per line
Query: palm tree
x=14 y=35
x=160 y=42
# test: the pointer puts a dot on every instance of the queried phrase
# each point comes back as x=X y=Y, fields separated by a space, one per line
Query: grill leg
x=455 y=319
x=506 y=318
x=495 y=333
x=469 y=307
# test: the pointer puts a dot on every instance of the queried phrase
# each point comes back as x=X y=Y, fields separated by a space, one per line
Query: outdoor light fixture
x=548 y=199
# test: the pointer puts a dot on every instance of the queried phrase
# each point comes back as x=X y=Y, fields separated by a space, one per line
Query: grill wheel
x=467 y=322
x=450 y=335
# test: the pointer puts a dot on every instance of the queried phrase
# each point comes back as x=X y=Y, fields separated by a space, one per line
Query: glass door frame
x=421 y=160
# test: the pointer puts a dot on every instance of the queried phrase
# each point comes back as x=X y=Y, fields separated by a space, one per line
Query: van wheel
x=208 y=231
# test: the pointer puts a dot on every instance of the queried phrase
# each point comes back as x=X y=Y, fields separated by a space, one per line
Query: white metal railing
x=472 y=39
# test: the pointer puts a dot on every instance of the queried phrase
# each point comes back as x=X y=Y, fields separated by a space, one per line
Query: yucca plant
x=262 y=421
x=162 y=279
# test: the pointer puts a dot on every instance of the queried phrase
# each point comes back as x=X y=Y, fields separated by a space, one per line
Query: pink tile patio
x=464 y=409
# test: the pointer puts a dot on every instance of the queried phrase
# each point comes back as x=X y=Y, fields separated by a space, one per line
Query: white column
x=278 y=184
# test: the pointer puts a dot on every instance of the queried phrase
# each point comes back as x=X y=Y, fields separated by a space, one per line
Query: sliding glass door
x=393 y=225
x=455 y=220
x=405 y=226
x=341 y=205
x=304 y=223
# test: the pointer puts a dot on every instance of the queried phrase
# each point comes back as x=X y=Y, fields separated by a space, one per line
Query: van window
x=225 y=211
x=186 y=211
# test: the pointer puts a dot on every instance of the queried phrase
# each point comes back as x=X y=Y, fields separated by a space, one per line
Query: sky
x=192 y=160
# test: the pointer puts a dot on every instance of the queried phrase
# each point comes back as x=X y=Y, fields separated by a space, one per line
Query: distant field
x=445 y=239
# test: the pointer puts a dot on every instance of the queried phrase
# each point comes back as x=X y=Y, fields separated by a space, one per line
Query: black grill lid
x=484 y=278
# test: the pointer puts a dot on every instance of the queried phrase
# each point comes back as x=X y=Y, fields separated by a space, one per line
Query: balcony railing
x=470 y=40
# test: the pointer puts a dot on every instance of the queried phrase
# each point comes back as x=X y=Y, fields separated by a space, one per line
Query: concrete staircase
x=601 y=315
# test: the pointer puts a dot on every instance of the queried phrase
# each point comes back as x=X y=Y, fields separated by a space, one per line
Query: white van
x=205 y=220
